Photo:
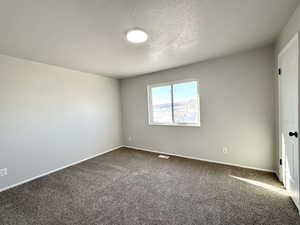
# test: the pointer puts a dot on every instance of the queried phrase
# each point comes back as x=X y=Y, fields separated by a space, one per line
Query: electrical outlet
x=130 y=138
x=3 y=172
x=225 y=150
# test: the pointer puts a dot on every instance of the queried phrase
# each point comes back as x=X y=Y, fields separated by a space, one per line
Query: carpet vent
x=163 y=156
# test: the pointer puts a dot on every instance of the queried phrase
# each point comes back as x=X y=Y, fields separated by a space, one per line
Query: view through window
x=174 y=104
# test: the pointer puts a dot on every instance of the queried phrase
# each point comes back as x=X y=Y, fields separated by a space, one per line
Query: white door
x=288 y=62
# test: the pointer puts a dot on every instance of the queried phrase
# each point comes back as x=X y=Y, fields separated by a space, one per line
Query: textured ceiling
x=89 y=35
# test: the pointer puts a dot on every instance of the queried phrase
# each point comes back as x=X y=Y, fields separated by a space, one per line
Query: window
x=175 y=104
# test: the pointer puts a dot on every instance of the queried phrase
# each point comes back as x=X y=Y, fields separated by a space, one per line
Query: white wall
x=237 y=111
x=287 y=33
x=51 y=117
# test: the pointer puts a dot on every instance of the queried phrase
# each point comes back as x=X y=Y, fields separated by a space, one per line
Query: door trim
x=281 y=168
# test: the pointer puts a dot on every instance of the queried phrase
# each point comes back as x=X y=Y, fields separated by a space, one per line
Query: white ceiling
x=89 y=35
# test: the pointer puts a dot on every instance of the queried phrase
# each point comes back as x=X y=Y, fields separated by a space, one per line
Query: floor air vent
x=163 y=156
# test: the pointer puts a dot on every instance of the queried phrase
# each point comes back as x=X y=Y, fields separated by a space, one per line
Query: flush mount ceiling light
x=136 y=36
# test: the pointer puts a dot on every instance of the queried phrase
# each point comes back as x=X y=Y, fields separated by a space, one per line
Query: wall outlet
x=129 y=138
x=225 y=150
x=3 y=172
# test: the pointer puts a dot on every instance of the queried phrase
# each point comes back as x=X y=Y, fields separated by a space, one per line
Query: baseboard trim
x=200 y=159
x=60 y=168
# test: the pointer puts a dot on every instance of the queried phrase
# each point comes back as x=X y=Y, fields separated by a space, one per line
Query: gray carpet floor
x=133 y=187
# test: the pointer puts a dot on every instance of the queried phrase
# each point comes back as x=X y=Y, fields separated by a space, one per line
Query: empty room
x=140 y=112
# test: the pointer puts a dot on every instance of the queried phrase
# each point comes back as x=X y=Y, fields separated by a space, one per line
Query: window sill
x=175 y=124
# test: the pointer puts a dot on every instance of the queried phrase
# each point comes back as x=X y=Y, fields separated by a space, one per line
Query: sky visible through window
x=183 y=91
x=185 y=103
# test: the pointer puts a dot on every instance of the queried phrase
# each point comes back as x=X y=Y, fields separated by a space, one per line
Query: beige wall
x=237 y=111
x=51 y=117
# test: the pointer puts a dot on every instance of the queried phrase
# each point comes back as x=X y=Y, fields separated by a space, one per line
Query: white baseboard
x=61 y=168
x=136 y=148
x=200 y=159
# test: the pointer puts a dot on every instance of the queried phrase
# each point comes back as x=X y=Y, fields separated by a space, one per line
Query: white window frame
x=150 y=112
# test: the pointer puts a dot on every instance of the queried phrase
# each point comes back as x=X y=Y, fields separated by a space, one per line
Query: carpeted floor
x=133 y=187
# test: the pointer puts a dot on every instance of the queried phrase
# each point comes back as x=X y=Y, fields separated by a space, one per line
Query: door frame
x=281 y=174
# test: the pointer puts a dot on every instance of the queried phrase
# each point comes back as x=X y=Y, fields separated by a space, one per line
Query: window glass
x=186 y=104
x=162 y=104
x=174 y=104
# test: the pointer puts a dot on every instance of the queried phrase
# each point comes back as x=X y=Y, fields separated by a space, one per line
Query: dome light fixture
x=136 y=36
